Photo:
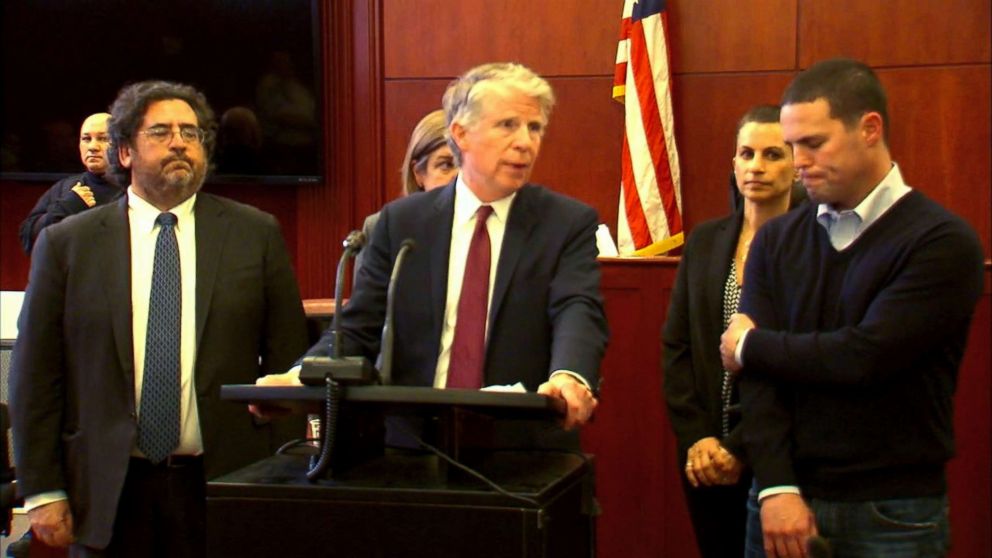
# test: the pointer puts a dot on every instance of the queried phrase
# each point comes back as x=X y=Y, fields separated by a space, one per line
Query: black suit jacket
x=693 y=373
x=72 y=375
x=546 y=311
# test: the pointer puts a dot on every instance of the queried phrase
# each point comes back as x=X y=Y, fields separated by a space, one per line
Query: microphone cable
x=465 y=468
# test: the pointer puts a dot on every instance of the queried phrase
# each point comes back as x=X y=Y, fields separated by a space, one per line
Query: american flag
x=650 y=216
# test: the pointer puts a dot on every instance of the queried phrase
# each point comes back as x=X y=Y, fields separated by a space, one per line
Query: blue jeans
x=901 y=528
x=754 y=546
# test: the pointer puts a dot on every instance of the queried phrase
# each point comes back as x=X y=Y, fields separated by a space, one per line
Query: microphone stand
x=354 y=369
x=333 y=371
x=386 y=370
x=352 y=245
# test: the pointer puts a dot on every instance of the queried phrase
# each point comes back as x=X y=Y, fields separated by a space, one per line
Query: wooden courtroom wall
x=389 y=60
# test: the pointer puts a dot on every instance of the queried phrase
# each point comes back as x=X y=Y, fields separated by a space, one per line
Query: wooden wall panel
x=580 y=155
x=940 y=136
x=895 y=32
x=440 y=38
x=968 y=479
x=637 y=470
x=405 y=103
x=709 y=107
x=16 y=201
x=732 y=36
x=353 y=122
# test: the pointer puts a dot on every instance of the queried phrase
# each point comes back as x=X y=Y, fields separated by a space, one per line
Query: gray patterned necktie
x=158 y=421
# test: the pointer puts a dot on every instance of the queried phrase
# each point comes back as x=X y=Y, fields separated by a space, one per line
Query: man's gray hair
x=463 y=99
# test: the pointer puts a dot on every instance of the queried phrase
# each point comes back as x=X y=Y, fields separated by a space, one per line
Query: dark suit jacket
x=693 y=373
x=546 y=311
x=72 y=375
x=691 y=337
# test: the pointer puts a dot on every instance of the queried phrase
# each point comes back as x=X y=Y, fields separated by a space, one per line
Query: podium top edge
x=394 y=395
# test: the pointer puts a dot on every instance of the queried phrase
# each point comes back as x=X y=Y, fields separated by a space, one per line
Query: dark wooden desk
x=405 y=504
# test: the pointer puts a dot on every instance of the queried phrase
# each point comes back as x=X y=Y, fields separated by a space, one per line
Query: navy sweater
x=848 y=379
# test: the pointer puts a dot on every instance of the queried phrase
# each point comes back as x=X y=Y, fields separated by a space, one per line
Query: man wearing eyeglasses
x=135 y=314
x=79 y=192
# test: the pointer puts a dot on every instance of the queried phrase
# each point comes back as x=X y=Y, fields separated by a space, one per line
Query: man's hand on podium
x=266 y=411
x=577 y=401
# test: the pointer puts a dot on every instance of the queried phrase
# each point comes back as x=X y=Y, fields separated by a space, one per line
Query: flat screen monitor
x=259 y=62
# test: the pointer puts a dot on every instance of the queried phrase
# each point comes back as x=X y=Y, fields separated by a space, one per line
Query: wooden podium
x=411 y=503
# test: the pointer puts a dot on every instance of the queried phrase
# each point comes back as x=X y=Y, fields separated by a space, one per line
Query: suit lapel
x=439 y=246
x=523 y=217
x=724 y=246
x=113 y=248
x=211 y=232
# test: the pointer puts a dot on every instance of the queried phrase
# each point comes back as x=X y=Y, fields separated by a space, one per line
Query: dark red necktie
x=468 y=351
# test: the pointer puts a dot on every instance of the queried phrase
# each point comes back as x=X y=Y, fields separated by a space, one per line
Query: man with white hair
x=503 y=286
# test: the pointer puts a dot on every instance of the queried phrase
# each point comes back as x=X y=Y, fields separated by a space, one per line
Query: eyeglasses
x=162 y=134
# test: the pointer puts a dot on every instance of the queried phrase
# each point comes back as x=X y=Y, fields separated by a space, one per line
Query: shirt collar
x=143 y=214
x=466 y=203
x=876 y=203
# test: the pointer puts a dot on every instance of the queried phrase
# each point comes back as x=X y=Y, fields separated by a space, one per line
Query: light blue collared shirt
x=845 y=226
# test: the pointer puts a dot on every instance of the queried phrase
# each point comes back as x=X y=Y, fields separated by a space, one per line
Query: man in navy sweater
x=78 y=192
x=852 y=328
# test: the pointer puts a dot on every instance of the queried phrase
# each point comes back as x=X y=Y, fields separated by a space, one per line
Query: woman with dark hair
x=701 y=396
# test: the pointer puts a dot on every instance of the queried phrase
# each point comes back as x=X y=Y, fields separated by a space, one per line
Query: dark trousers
x=161 y=513
x=719 y=517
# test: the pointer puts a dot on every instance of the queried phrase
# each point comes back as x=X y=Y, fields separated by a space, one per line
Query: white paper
x=10 y=308
x=604 y=242
x=515 y=388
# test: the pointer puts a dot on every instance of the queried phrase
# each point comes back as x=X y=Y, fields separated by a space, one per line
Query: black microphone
x=343 y=369
x=333 y=372
x=818 y=547
x=352 y=244
x=386 y=350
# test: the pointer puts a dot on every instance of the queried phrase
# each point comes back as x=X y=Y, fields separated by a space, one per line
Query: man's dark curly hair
x=128 y=111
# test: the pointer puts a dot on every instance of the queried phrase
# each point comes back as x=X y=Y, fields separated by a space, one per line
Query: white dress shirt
x=462 y=228
x=144 y=234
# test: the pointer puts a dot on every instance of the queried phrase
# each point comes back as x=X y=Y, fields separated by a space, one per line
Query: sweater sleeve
x=766 y=421
x=917 y=296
